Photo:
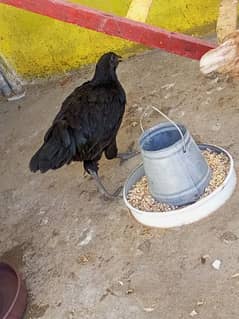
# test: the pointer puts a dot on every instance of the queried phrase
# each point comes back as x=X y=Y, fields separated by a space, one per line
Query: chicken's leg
x=112 y=152
x=91 y=168
x=102 y=188
x=128 y=155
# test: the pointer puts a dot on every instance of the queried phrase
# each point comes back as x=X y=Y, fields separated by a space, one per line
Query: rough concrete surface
x=83 y=257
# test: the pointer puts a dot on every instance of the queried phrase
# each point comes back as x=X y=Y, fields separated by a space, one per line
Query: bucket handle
x=167 y=118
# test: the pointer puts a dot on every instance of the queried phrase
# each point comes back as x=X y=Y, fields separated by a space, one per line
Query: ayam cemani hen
x=87 y=124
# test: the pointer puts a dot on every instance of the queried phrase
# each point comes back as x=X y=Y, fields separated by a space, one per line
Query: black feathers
x=87 y=123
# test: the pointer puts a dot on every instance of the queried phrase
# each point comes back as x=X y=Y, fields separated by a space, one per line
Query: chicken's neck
x=104 y=77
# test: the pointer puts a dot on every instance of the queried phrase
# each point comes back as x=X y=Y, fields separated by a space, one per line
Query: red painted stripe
x=116 y=26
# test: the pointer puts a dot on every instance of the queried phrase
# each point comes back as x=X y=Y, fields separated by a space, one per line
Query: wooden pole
x=227 y=19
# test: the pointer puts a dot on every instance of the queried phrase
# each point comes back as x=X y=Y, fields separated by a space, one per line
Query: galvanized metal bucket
x=174 y=165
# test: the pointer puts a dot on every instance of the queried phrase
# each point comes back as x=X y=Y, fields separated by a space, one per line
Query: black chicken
x=87 y=124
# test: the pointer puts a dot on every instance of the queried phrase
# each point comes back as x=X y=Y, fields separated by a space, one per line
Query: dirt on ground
x=84 y=257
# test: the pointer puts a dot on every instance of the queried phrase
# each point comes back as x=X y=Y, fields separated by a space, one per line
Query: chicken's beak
x=120 y=59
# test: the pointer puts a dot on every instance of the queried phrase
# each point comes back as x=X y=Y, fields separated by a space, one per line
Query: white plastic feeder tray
x=188 y=214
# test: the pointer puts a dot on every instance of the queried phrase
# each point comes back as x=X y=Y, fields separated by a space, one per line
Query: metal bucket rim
x=161 y=126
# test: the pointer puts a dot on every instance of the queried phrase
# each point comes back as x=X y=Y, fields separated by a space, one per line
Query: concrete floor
x=86 y=258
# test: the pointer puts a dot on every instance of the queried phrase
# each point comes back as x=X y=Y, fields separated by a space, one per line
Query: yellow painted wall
x=39 y=46
x=189 y=16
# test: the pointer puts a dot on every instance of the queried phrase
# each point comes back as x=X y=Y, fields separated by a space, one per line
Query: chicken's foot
x=126 y=156
x=102 y=188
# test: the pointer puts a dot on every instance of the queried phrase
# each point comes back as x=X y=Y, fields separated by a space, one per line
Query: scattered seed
x=83 y=259
x=134 y=124
x=236 y=275
x=200 y=303
x=139 y=196
x=129 y=291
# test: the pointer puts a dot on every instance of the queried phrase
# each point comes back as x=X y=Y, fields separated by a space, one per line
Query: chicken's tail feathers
x=34 y=162
x=58 y=149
